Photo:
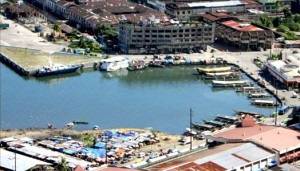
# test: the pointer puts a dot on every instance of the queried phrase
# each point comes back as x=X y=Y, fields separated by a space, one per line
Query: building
x=12 y=161
x=285 y=142
x=245 y=36
x=165 y=37
x=232 y=156
x=286 y=71
x=89 y=14
x=185 y=10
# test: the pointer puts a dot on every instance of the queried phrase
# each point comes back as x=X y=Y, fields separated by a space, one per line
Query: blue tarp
x=94 y=152
x=100 y=145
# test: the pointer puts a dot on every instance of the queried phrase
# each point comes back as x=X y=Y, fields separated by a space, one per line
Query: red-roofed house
x=244 y=35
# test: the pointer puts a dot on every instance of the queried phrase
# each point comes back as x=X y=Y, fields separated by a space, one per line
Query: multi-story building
x=245 y=36
x=185 y=10
x=165 y=37
x=88 y=14
x=286 y=71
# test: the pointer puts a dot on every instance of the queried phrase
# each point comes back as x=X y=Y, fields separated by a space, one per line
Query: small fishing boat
x=156 y=63
x=214 y=123
x=259 y=95
x=237 y=83
x=80 y=123
x=227 y=119
x=137 y=65
x=204 y=70
x=222 y=75
x=261 y=102
x=203 y=127
x=243 y=113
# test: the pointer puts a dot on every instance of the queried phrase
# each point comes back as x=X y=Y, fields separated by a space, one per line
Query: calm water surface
x=157 y=98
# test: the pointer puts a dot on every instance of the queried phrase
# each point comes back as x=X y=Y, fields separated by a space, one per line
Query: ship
x=56 y=70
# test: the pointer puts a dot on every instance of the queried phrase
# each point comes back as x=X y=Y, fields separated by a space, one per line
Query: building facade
x=245 y=36
x=165 y=38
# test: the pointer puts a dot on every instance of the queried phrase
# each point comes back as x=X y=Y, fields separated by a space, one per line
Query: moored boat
x=137 y=65
x=204 y=70
x=237 y=83
x=56 y=70
x=260 y=102
x=259 y=95
x=114 y=63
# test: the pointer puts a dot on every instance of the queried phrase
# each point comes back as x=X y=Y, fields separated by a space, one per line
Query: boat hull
x=56 y=72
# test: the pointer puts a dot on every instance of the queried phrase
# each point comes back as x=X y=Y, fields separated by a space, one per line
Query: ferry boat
x=237 y=83
x=55 y=70
x=114 y=63
x=203 y=70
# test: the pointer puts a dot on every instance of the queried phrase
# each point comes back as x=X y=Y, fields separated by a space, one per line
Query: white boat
x=202 y=70
x=258 y=95
x=238 y=83
x=264 y=102
x=114 y=63
x=215 y=74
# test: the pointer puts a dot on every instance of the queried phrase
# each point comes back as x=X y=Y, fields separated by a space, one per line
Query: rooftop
x=7 y=160
x=215 y=3
x=241 y=26
x=265 y=135
x=226 y=159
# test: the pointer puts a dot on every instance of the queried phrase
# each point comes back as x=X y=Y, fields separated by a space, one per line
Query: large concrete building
x=165 y=37
x=286 y=71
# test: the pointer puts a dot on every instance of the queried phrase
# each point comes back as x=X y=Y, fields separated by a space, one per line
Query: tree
x=63 y=165
x=107 y=31
x=56 y=27
x=282 y=28
x=287 y=13
x=276 y=21
x=279 y=6
x=265 y=20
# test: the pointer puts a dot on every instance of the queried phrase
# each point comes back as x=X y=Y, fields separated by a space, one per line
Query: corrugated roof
x=7 y=160
x=241 y=27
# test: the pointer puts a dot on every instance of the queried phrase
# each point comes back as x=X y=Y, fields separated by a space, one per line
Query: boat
x=249 y=89
x=237 y=83
x=156 y=63
x=222 y=75
x=243 y=113
x=114 y=63
x=203 y=70
x=259 y=95
x=260 y=102
x=137 y=65
x=56 y=70
x=203 y=127
x=215 y=123
x=227 y=119
x=80 y=123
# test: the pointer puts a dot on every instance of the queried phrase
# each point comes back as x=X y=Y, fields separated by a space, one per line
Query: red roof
x=278 y=138
x=241 y=27
x=248 y=121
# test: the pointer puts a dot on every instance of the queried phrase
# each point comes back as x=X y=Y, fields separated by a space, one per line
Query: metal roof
x=238 y=156
x=215 y=4
x=7 y=160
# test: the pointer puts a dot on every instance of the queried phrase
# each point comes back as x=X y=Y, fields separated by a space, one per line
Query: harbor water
x=159 y=98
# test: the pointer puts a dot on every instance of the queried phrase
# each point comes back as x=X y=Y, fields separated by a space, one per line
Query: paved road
x=19 y=36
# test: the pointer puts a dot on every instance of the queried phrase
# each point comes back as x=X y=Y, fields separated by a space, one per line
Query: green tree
x=265 y=20
x=63 y=165
x=107 y=30
x=287 y=13
x=282 y=28
x=276 y=21
x=56 y=27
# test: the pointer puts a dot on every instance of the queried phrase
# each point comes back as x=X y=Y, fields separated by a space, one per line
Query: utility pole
x=191 y=135
x=276 y=104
